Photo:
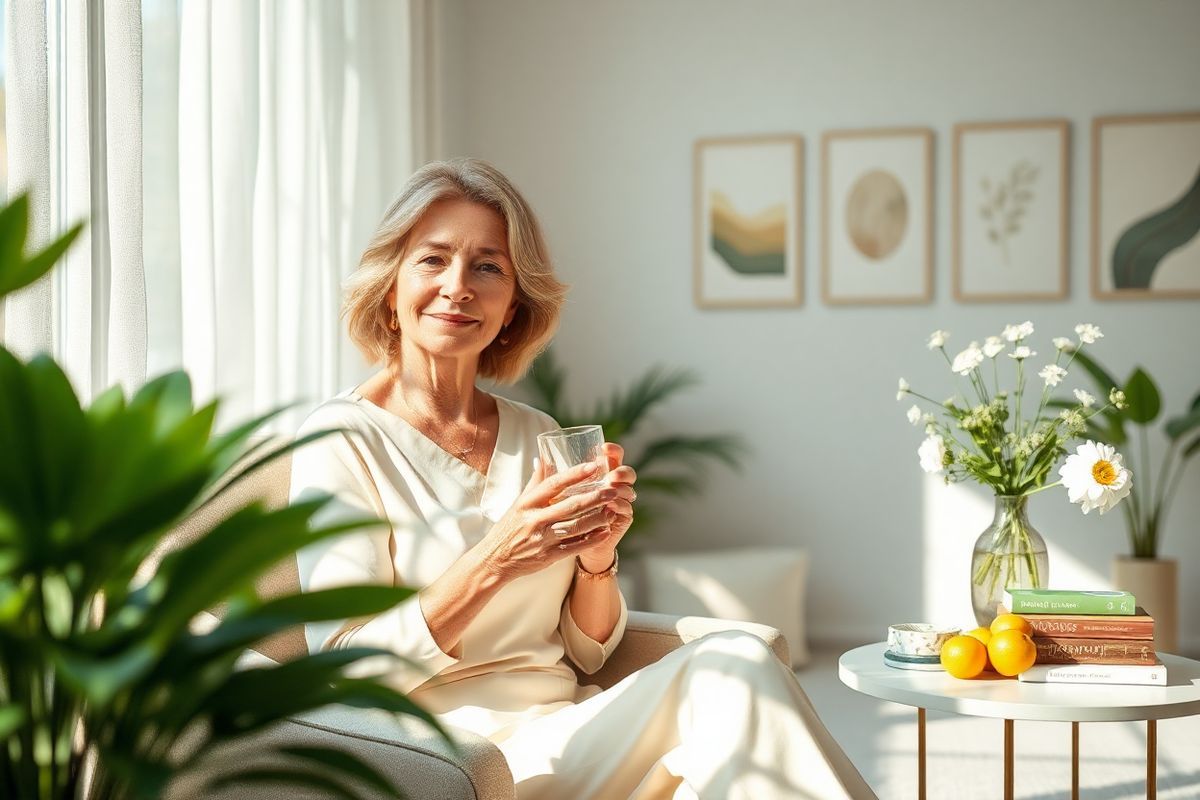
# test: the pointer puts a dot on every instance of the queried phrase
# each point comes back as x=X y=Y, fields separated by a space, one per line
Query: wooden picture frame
x=1010 y=236
x=1145 y=212
x=877 y=216
x=748 y=231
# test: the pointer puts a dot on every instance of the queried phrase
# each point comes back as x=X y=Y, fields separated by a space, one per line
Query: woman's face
x=456 y=285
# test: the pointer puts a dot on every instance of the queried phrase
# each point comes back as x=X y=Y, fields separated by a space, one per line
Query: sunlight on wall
x=1067 y=572
x=955 y=515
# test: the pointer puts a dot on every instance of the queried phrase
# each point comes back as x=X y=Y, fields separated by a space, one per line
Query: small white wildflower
x=1088 y=333
x=1116 y=397
x=993 y=346
x=928 y=419
x=932 y=453
x=914 y=415
x=1063 y=343
x=1015 y=333
x=1085 y=399
x=938 y=339
x=1021 y=353
x=901 y=389
x=1052 y=374
x=968 y=359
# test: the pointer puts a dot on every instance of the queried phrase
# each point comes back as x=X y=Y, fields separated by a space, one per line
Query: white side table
x=863 y=670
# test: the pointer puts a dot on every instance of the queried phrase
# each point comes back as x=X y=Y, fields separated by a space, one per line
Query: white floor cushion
x=758 y=584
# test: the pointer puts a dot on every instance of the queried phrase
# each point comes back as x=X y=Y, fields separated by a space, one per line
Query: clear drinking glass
x=565 y=448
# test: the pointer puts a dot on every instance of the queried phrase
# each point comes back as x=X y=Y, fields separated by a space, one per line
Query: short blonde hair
x=539 y=294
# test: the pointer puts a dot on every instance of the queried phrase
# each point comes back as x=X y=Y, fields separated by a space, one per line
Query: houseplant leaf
x=1143 y=398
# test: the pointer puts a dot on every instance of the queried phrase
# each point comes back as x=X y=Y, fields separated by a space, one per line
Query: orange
x=984 y=635
x=964 y=656
x=1011 y=652
x=1012 y=622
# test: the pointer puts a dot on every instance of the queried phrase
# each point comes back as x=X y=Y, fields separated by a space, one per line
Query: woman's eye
x=488 y=266
x=435 y=260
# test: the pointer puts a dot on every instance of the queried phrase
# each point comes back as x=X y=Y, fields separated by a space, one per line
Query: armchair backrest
x=269 y=484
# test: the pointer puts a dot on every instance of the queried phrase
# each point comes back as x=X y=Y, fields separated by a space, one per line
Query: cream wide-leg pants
x=719 y=718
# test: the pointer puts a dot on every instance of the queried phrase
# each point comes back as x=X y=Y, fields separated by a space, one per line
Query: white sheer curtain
x=294 y=131
x=73 y=111
x=276 y=132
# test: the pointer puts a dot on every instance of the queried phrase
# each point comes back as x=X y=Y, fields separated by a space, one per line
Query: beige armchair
x=413 y=757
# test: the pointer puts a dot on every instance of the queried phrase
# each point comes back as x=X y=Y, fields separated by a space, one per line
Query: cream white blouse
x=511 y=663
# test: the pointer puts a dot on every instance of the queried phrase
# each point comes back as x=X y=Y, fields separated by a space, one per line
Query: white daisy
x=932 y=453
x=1063 y=343
x=993 y=346
x=1088 y=333
x=938 y=339
x=1095 y=477
x=1052 y=374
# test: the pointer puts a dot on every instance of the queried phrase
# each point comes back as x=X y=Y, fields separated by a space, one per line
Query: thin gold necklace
x=461 y=455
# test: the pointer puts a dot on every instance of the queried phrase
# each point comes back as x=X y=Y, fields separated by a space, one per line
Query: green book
x=1069 y=601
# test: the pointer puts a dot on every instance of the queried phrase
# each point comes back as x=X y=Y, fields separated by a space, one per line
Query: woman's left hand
x=618 y=513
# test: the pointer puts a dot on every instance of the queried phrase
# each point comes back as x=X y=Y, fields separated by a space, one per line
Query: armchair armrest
x=649 y=637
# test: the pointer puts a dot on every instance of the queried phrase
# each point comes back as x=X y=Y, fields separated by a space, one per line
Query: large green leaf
x=1181 y=425
x=17 y=271
x=287 y=776
x=344 y=763
x=237 y=632
x=1143 y=398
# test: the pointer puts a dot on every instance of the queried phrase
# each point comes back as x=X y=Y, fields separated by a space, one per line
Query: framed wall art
x=877 y=216
x=1010 y=216
x=749 y=237
x=1146 y=206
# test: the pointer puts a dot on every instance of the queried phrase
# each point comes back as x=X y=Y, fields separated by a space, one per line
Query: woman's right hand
x=543 y=526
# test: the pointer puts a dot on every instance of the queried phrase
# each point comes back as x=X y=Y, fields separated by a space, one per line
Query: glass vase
x=1010 y=554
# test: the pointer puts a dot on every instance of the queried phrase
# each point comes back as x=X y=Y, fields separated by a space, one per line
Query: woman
x=455 y=285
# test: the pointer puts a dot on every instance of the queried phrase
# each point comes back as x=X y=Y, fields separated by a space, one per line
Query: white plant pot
x=1154 y=583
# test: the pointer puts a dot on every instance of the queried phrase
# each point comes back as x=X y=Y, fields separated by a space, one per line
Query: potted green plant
x=1152 y=579
x=668 y=465
x=98 y=668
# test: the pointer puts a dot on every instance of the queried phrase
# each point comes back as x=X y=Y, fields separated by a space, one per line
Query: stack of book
x=1088 y=637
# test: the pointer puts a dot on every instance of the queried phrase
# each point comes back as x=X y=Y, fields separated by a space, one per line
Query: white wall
x=593 y=108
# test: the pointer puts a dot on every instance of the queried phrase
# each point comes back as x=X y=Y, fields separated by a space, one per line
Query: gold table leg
x=1151 y=759
x=921 y=754
x=1074 y=761
x=1008 y=759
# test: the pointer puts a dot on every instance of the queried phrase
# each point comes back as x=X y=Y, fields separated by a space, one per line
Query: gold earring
x=394 y=322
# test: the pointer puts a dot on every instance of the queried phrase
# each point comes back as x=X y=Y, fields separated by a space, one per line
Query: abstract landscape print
x=748 y=211
x=1146 y=206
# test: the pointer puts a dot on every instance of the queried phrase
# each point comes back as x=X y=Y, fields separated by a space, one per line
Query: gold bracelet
x=611 y=572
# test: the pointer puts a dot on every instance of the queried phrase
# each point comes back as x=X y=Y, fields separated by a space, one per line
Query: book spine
x=1111 y=628
x=1026 y=602
x=1064 y=650
x=1155 y=675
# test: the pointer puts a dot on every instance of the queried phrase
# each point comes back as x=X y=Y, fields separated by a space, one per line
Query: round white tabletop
x=863 y=670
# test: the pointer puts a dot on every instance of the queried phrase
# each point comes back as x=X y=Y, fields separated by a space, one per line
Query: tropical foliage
x=1146 y=511
x=97 y=665
x=668 y=465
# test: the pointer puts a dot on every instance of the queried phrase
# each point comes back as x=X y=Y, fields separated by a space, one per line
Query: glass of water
x=565 y=448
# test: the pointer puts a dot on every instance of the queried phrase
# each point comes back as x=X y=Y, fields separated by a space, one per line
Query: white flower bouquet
x=996 y=438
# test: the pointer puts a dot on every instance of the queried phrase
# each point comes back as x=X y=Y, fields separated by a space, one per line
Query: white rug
x=965 y=754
